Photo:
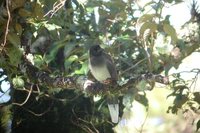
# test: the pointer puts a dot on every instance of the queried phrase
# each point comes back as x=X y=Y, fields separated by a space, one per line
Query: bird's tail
x=113 y=107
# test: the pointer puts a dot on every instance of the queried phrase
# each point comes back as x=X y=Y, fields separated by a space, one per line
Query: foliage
x=54 y=36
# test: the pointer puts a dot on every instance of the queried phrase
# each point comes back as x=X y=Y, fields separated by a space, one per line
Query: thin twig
x=49 y=96
x=133 y=66
x=56 y=7
x=7 y=25
x=142 y=126
x=39 y=114
x=38 y=89
x=21 y=104
x=194 y=81
x=191 y=71
x=84 y=127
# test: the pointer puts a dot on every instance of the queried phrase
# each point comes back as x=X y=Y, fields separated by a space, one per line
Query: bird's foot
x=109 y=81
x=92 y=87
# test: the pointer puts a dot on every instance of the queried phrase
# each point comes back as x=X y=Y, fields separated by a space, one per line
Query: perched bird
x=103 y=69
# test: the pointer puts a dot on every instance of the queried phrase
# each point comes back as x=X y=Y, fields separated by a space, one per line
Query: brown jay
x=103 y=68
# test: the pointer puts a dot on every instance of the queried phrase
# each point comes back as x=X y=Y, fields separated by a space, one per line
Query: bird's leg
x=92 y=87
x=108 y=81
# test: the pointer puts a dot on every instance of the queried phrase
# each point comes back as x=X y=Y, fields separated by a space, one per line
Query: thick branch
x=81 y=82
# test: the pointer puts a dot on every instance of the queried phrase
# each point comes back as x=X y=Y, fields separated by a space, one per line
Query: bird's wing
x=113 y=103
x=111 y=66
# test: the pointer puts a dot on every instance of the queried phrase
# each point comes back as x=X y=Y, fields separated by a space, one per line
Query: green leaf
x=84 y=69
x=38 y=61
x=6 y=116
x=13 y=39
x=51 y=27
x=142 y=99
x=169 y=1
x=197 y=97
x=90 y=9
x=18 y=82
x=165 y=49
x=178 y=1
x=180 y=100
x=68 y=49
x=143 y=85
x=18 y=28
x=55 y=48
x=14 y=54
x=148 y=26
x=17 y=4
x=24 y=13
x=38 y=11
x=128 y=99
x=70 y=60
x=149 y=3
x=146 y=18
x=54 y=90
x=3 y=62
x=170 y=31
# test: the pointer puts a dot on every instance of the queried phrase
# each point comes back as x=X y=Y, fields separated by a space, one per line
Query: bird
x=103 y=69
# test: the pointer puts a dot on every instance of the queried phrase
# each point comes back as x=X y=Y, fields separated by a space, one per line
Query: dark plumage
x=103 y=68
x=102 y=63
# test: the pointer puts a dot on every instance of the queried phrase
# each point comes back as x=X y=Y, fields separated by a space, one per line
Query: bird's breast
x=100 y=73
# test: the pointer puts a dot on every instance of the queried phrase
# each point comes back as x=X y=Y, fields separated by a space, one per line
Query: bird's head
x=95 y=50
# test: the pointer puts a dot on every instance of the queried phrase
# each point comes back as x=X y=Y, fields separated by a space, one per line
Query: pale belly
x=100 y=73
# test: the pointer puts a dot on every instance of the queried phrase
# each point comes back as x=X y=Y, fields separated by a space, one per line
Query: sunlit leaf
x=52 y=26
x=146 y=18
x=84 y=69
x=90 y=9
x=70 y=60
x=125 y=37
x=165 y=49
x=38 y=61
x=170 y=31
x=18 y=82
x=148 y=26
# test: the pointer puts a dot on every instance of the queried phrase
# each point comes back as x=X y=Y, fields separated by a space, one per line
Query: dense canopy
x=44 y=58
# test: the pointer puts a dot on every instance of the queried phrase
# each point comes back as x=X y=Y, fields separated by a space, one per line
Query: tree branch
x=7 y=25
x=83 y=84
